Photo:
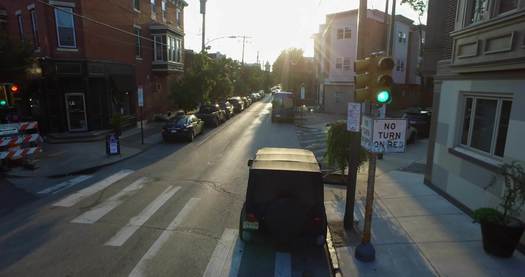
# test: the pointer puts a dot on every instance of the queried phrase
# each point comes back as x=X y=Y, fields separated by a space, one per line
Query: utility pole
x=355 y=138
x=243 y=43
x=387 y=37
x=203 y=12
x=392 y=25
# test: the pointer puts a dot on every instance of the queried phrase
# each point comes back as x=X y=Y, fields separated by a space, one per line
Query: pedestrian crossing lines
x=226 y=255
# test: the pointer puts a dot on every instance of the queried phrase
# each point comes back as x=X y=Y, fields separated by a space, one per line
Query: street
x=171 y=211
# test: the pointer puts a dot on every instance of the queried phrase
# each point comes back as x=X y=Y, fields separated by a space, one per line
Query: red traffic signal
x=14 y=88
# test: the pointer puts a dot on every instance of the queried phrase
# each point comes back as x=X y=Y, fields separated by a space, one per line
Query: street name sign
x=383 y=135
x=140 y=96
x=353 y=117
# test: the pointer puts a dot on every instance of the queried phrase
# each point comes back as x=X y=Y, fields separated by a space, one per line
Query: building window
x=164 y=7
x=400 y=65
x=136 y=5
x=178 y=16
x=138 y=43
x=153 y=8
x=485 y=124
x=402 y=37
x=506 y=5
x=340 y=33
x=36 y=43
x=339 y=63
x=478 y=11
x=20 y=26
x=346 y=64
x=348 y=33
x=65 y=26
x=158 y=48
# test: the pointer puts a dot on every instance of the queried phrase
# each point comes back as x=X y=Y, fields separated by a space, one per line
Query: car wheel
x=192 y=136
x=215 y=122
x=245 y=236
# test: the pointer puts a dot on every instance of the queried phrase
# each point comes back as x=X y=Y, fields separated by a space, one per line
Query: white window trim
x=20 y=23
x=34 y=26
x=133 y=6
x=155 y=60
x=62 y=4
x=18 y=12
x=61 y=49
x=31 y=7
x=139 y=41
x=58 y=36
x=492 y=156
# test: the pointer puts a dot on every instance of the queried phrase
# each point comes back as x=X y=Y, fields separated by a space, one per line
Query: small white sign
x=384 y=135
x=140 y=96
x=353 y=117
x=302 y=93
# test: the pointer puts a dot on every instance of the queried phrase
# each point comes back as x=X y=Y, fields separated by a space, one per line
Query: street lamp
x=212 y=40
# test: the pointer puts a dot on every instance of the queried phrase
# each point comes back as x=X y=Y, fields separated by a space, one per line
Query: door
x=76 y=112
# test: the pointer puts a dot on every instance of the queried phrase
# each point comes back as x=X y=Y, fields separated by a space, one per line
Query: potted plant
x=117 y=120
x=500 y=230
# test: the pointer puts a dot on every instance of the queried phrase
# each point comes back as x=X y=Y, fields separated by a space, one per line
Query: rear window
x=283 y=101
x=208 y=109
x=268 y=185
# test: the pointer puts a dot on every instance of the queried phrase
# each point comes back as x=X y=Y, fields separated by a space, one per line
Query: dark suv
x=284 y=197
x=212 y=114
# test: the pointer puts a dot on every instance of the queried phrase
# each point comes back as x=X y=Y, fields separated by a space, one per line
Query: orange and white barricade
x=19 y=141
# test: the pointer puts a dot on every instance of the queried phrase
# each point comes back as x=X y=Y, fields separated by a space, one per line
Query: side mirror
x=250 y=163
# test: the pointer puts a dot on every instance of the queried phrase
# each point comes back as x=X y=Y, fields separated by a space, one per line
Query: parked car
x=182 y=127
x=228 y=108
x=284 y=198
x=212 y=114
x=420 y=120
x=247 y=101
x=283 y=106
x=238 y=104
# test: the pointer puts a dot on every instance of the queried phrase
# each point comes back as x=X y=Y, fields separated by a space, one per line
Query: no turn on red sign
x=383 y=135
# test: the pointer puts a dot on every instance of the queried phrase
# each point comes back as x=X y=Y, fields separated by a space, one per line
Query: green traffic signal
x=383 y=97
x=3 y=102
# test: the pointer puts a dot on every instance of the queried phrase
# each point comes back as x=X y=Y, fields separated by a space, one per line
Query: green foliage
x=15 y=55
x=514 y=195
x=417 y=5
x=338 y=146
x=488 y=214
x=117 y=120
x=195 y=86
x=291 y=69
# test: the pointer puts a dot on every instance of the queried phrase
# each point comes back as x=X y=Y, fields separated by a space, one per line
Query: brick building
x=94 y=55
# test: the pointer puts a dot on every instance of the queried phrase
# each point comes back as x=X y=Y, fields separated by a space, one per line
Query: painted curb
x=332 y=255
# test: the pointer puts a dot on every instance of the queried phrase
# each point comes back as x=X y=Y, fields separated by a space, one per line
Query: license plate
x=250 y=225
x=173 y=131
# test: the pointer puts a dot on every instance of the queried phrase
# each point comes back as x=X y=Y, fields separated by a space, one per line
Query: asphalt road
x=171 y=211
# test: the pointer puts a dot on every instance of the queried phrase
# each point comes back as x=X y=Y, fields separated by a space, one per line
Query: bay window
x=167 y=48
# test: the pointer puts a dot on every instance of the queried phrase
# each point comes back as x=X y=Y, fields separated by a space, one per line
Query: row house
x=336 y=50
x=479 y=91
x=94 y=56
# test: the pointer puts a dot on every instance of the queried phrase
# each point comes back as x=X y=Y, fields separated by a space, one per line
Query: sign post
x=140 y=101
x=353 y=123
x=377 y=136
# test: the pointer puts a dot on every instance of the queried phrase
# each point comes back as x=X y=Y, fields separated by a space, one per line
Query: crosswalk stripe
x=283 y=264
x=78 y=196
x=139 y=269
x=136 y=222
x=105 y=207
x=67 y=184
x=228 y=248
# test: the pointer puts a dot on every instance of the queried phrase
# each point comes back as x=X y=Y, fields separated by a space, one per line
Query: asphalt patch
x=12 y=197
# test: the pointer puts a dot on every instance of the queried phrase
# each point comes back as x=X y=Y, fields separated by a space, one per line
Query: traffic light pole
x=355 y=138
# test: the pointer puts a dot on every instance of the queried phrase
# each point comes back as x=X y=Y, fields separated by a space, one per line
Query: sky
x=272 y=25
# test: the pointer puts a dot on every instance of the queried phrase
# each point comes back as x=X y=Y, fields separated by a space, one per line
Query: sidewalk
x=68 y=158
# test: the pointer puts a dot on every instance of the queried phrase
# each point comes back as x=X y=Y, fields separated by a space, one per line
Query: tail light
x=251 y=217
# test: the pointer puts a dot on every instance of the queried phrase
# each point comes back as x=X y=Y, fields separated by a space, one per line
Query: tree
x=195 y=86
x=417 y=5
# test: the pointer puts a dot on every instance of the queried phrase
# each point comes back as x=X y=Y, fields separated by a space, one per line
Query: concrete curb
x=332 y=255
x=87 y=169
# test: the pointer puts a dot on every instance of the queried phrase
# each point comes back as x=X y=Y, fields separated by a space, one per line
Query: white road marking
x=140 y=269
x=105 y=207
x=100 y=185
x=226 y=258
x=136 y=222
x=64 y=185
x=283 y=264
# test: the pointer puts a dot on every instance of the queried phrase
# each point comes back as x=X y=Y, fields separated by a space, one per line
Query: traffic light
x=4 y=100
x=382 y=93
x=362 y=79
x=14 y=88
